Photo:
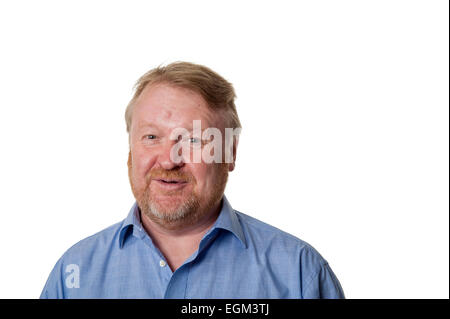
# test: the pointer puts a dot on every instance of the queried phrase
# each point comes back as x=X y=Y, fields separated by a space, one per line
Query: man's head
x=176 y=194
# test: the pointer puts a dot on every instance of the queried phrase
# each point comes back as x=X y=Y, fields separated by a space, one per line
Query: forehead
x=167 y=105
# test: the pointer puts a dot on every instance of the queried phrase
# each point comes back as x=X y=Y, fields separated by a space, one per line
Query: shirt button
x=162 y=263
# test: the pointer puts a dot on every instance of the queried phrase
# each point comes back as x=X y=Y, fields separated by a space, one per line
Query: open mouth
x=171 y=181
x=171 y=184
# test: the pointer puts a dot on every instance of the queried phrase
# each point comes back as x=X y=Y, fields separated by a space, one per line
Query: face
x=173 y=194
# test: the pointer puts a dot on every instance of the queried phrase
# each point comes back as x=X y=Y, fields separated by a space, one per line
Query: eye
x=150 y=137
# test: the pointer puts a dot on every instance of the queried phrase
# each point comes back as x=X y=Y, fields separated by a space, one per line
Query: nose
x=167 y=158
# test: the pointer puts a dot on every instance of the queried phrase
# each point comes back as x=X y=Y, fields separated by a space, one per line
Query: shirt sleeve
x=324 y=285
x=53 y=288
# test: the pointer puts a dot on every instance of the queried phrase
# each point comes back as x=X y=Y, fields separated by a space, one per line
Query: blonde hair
x=217 y=92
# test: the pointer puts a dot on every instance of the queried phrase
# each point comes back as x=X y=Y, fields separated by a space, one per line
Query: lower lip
x=170 y=186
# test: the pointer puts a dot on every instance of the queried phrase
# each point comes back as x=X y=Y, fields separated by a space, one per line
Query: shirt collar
x=227 y=220
x=131 y=224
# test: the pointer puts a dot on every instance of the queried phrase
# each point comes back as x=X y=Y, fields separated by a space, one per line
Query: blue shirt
x=239 y=257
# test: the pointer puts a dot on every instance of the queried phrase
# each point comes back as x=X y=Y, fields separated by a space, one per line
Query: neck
x=178 y=244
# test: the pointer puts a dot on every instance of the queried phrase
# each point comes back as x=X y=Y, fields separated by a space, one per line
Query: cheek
x=142 y=163
x=205 y=177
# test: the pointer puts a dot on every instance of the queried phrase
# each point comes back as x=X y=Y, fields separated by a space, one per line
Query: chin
x=174 y=208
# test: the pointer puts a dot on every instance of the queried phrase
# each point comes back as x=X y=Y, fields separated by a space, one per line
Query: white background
x=344 y=106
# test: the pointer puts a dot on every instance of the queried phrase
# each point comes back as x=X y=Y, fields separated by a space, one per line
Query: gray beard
x=185 y=211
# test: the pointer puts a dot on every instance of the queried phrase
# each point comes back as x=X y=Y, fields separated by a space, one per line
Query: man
x=182 y=238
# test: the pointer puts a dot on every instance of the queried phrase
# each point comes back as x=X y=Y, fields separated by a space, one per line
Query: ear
x=129 y=159
x=232 y=165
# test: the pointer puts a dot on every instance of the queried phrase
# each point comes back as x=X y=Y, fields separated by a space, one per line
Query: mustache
x=160 y=173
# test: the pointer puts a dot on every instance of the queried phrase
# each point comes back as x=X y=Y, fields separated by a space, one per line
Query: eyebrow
x=146 y=124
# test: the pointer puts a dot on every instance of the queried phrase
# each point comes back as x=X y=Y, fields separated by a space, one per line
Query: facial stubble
x=187 y=209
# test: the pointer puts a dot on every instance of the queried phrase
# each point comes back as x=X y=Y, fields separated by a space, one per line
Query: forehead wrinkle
x=168 y=111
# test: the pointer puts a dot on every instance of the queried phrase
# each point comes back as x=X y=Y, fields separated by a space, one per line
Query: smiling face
x=172 y=194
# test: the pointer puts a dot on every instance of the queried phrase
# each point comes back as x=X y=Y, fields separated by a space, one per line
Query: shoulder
x=268 y=238
x=94 y=245
x=87 y=254
x=290 y=258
